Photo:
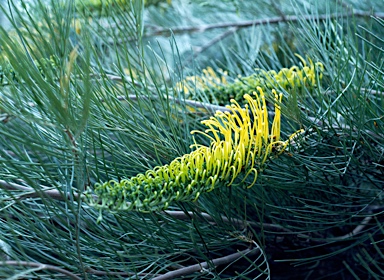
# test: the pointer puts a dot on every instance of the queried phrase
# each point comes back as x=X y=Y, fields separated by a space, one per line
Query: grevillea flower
x=240 y=144
x=220 y=91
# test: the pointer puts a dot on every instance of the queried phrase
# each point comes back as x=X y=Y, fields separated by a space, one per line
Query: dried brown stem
x=204 y=265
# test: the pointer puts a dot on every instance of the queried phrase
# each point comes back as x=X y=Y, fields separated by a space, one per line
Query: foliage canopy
x=97 y=104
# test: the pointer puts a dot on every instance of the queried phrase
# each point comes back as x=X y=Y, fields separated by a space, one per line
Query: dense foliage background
x=92 y=91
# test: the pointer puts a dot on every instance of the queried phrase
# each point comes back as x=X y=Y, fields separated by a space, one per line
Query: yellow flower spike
x=219 y=90
x=240 y=144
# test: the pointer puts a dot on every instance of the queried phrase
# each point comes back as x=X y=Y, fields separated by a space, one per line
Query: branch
x=372 y=91
x=115 y=273
x=250 y=23
x=278 y=10
x=215 y=40
x=201 y=266
x=52 y=193
x=42 y=266
x=181 y=215
x=193 y=103
x=273 y=228
x=354 y=232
